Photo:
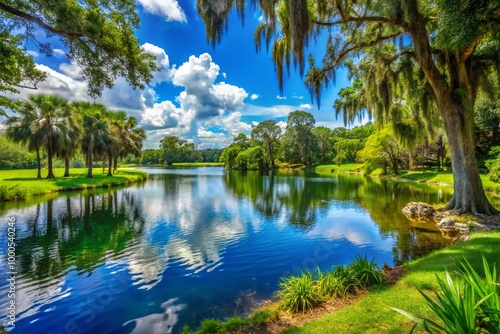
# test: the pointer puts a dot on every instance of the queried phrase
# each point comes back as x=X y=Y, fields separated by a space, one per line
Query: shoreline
x=25 y=185
x=370 y=310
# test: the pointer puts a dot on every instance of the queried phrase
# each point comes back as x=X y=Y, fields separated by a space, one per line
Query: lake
x=194 y=243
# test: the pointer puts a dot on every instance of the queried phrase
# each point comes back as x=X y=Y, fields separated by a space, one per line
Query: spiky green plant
x=299 y=293
x=347 y=276
x=367 y=272
x=467 y=304
x=332 y=286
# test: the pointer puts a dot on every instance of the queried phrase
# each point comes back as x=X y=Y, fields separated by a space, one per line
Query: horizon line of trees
x=377 y=146
x=50 y=124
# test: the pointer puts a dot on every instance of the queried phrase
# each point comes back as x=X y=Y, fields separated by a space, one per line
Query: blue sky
x=202 y=94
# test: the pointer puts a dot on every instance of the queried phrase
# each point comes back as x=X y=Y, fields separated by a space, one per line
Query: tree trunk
x=455 y=100
x=411 y=163
x=66 y=165
x=469 y=195
x=271 y=156
x=50 y=174
x=38 y=163
x=89 y=161
x=110 y=166
x=115 y=164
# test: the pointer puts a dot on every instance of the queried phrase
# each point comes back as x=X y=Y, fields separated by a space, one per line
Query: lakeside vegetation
x=431 y=176
x=373 y=312
x=18 y=184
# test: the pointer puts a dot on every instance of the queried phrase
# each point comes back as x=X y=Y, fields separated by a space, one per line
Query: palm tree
x=51 y=126
x=72 y=138
x=19 y=129
x=130 y=138
x=95 y=132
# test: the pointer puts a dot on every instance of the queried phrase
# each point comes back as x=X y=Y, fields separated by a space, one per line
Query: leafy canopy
x=97 y=34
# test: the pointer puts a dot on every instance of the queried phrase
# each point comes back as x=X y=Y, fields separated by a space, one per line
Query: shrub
x=11 y=193
x=347 y=277
x=468 y=304
x=332 y=286
x=299 y=293
x=367 y=272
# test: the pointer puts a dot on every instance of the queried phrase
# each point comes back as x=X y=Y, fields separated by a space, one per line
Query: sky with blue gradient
x=202 y=94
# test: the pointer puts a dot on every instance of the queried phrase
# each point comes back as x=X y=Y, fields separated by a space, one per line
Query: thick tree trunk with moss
x=468 y=195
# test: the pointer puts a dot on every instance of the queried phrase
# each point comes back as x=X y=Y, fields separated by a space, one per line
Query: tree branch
x=362 y=19
x=345 y=53
x=467 y=52
x=25 y=16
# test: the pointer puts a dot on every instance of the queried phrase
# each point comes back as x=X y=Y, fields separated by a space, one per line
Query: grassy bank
x=373 y=312
x=428 y=176
x=18 y=184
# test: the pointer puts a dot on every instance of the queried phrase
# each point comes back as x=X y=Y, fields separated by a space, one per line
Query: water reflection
x=64 y=234
x=205 y=241
x=158 y=322
x=299 y=198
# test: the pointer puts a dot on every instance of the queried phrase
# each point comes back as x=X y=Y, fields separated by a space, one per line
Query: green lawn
x=358 y=168
x=20 y=183
x=373 y=313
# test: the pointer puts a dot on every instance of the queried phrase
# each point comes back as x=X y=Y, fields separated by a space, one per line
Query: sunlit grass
x=373 y=313
x=17 y=184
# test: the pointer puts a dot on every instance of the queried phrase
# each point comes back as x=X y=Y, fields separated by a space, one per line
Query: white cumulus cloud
x=168 y=9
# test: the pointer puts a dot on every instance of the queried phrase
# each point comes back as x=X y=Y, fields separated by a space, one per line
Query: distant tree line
x=174 y=152
x=50 y=127
x=387 y=147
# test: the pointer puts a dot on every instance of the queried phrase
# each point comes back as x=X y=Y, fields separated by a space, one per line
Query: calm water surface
x=195 y=243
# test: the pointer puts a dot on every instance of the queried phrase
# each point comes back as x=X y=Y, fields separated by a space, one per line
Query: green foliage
x=299 y=293
x=234 y=324
x=176 y=149
x=17 y=184
x=493 y=165
x=487 y=127
x=11 y=192
x=16 y=67
x=251 y=158
x=304 y=292
x=367 y=272
x=299 y=143
x=331 y=285
x=97 y=35
x=390 y=50
x=383 y=150
x=268 y=135
x=15 y=156
x=468 y=304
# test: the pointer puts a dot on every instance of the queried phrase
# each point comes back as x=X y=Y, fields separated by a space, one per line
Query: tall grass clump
x=299 y=293
x=304 y=292
x=367 y=272
x=466 y=304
